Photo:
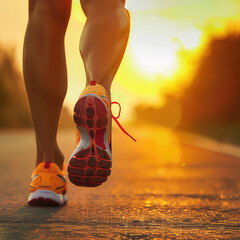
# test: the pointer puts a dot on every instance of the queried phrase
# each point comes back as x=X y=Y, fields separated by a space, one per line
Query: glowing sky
x=153 y=65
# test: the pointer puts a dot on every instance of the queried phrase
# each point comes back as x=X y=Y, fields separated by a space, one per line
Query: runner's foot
x=48 y=186
x=91 y=162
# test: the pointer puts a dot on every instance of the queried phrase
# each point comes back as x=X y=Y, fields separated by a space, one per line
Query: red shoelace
x=117 y=122
x=93 y=83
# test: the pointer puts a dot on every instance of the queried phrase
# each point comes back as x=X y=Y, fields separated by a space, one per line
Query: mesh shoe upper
x=48 y=176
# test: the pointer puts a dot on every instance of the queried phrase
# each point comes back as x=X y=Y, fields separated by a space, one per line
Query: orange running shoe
x=91 y=162
x=48 y=186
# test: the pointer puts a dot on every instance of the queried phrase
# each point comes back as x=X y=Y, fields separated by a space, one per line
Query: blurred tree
x=211 y=104
x=13 y=104
x=214 y=93
x=13 y=100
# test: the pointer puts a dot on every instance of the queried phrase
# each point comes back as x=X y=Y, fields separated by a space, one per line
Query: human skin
x=102 y=46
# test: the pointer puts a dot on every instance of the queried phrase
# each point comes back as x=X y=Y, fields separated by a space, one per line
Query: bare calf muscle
x=44 y=68
x=104 y=39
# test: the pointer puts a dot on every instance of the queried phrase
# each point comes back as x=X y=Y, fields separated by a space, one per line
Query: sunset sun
x=155 y=42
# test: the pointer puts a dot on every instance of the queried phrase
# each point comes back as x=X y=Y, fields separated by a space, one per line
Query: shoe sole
x=91 y=162
x=46 y=198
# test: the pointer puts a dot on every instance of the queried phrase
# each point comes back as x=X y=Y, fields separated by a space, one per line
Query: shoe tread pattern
x=91 y=167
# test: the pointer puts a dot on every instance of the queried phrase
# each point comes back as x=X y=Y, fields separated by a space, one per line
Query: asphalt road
x=159 y=189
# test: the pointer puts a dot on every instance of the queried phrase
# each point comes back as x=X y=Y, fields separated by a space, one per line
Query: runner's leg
x=102 y=45
x=45 y=73
x=104 y=39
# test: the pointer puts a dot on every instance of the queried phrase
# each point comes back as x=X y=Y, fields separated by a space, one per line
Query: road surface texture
x=160 y=188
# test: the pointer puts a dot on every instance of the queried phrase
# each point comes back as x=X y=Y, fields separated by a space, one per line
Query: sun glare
x=155 y=57
x=155 y=42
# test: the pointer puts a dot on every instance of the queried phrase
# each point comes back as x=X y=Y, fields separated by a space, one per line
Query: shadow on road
x=25 y=221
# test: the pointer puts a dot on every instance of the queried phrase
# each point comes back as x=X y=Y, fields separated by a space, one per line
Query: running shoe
x=91 y=162
x=48 y=185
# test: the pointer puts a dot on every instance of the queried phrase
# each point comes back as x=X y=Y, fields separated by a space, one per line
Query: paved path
x=159 y=189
